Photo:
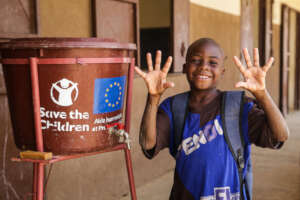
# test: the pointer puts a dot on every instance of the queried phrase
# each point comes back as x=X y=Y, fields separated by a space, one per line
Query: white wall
x=295 y=4
x=228 y=6
x=234 y=6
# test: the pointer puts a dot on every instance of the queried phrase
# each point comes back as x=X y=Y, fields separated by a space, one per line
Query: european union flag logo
x=108 y=94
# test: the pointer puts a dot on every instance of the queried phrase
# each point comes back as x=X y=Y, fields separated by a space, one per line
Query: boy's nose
x=203 y=65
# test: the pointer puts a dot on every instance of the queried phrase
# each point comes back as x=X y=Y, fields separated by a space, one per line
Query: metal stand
x=38 y=165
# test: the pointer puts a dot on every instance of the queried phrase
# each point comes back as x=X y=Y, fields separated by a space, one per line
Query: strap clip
x=241 y=161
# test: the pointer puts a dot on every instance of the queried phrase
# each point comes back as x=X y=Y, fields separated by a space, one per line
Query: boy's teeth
x=203 y=77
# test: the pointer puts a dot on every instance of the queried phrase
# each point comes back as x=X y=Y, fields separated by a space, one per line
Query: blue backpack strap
x=179 y=109
x=231 y=114
x=249 y=180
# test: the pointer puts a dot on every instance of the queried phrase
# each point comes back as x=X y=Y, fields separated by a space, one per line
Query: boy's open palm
x=254 y=75
x=156 y=79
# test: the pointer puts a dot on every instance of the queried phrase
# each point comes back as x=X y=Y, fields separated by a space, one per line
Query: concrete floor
x=276 y=172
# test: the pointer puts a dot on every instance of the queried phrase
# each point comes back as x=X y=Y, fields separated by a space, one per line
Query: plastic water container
x=77 y=100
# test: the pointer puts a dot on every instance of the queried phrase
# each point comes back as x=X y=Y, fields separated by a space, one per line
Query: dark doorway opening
x=155 y=29
x=154 y=39
x=164 y=25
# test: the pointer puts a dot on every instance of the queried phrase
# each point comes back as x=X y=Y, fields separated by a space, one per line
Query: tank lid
x=37 y=43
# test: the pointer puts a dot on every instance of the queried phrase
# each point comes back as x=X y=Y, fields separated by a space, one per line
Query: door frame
x=284 y=59
x=180 y=25
x=265 y=30
x=37 y=30
x=297 y=74
x=95 y=27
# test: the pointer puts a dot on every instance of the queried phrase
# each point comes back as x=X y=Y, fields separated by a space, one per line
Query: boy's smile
x=204 y=66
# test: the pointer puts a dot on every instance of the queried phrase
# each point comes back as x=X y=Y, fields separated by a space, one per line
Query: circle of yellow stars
x=109 y=89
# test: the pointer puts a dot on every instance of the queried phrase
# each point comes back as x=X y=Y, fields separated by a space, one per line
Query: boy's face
x=204 y=67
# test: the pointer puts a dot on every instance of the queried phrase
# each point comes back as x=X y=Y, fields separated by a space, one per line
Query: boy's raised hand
x=254 y=74
x=156 y=79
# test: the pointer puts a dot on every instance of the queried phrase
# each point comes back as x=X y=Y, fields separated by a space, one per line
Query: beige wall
x=225 y=29
x=155 y=13
x=71 y=18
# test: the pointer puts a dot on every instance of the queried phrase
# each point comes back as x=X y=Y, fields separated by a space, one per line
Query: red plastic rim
x=38 y=43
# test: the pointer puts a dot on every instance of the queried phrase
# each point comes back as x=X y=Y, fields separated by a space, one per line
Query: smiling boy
x=205 y=168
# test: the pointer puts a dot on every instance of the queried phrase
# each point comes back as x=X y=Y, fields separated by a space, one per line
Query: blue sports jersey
x=204 y=162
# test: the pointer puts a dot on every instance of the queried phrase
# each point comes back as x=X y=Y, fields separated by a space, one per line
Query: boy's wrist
x=260 y=94
x=153 y=99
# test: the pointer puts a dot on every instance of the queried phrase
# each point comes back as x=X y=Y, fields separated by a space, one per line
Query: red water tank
x=77 y=100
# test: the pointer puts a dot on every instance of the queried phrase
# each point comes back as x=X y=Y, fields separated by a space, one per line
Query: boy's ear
x=223 y=70
x=184 y=68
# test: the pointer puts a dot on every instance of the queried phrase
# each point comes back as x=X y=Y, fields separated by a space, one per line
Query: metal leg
x=39 y=167
x=35 y=178
x=40 y=182
x=130 y=173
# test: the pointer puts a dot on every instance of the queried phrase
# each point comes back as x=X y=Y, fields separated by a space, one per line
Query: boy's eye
x=201 y=62
x=196 y=61
x=213 y=63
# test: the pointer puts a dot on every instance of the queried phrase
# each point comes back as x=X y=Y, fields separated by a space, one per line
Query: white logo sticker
x=64 y=88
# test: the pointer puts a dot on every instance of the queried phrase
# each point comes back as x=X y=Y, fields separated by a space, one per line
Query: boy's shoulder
x=182 y=98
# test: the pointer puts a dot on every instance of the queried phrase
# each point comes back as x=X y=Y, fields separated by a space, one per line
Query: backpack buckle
x=240 y=159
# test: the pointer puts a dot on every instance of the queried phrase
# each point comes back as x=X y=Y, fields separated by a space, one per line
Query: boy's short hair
x=200 y=42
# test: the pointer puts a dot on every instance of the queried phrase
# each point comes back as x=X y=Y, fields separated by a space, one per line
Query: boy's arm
x=148 y=125
x=254 y=82
x=275 y=119
x=156 y=83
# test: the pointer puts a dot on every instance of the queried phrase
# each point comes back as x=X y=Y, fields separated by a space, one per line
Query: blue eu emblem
x=108 y=94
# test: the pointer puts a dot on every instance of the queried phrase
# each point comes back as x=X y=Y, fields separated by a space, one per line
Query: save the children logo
x=108 y=97
x=64 y=92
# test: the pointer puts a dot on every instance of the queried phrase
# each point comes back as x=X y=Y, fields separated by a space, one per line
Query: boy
x=208 y=170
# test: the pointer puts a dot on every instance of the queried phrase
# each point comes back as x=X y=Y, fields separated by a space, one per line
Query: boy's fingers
x=247 y=57
x=157 y=60
x=256 y=57
x=149 y=62
x=268 y=65
x=140 y=72
x=167 y=65
x=241 y=85
x=239 y=64
x=168 y=84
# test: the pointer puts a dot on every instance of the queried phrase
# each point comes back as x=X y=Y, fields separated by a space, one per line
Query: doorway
x=164 y=25
x=155 y=29
x=290 y=60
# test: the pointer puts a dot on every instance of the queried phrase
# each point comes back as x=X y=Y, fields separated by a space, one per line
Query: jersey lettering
x=208 y=133
x=222 y=193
